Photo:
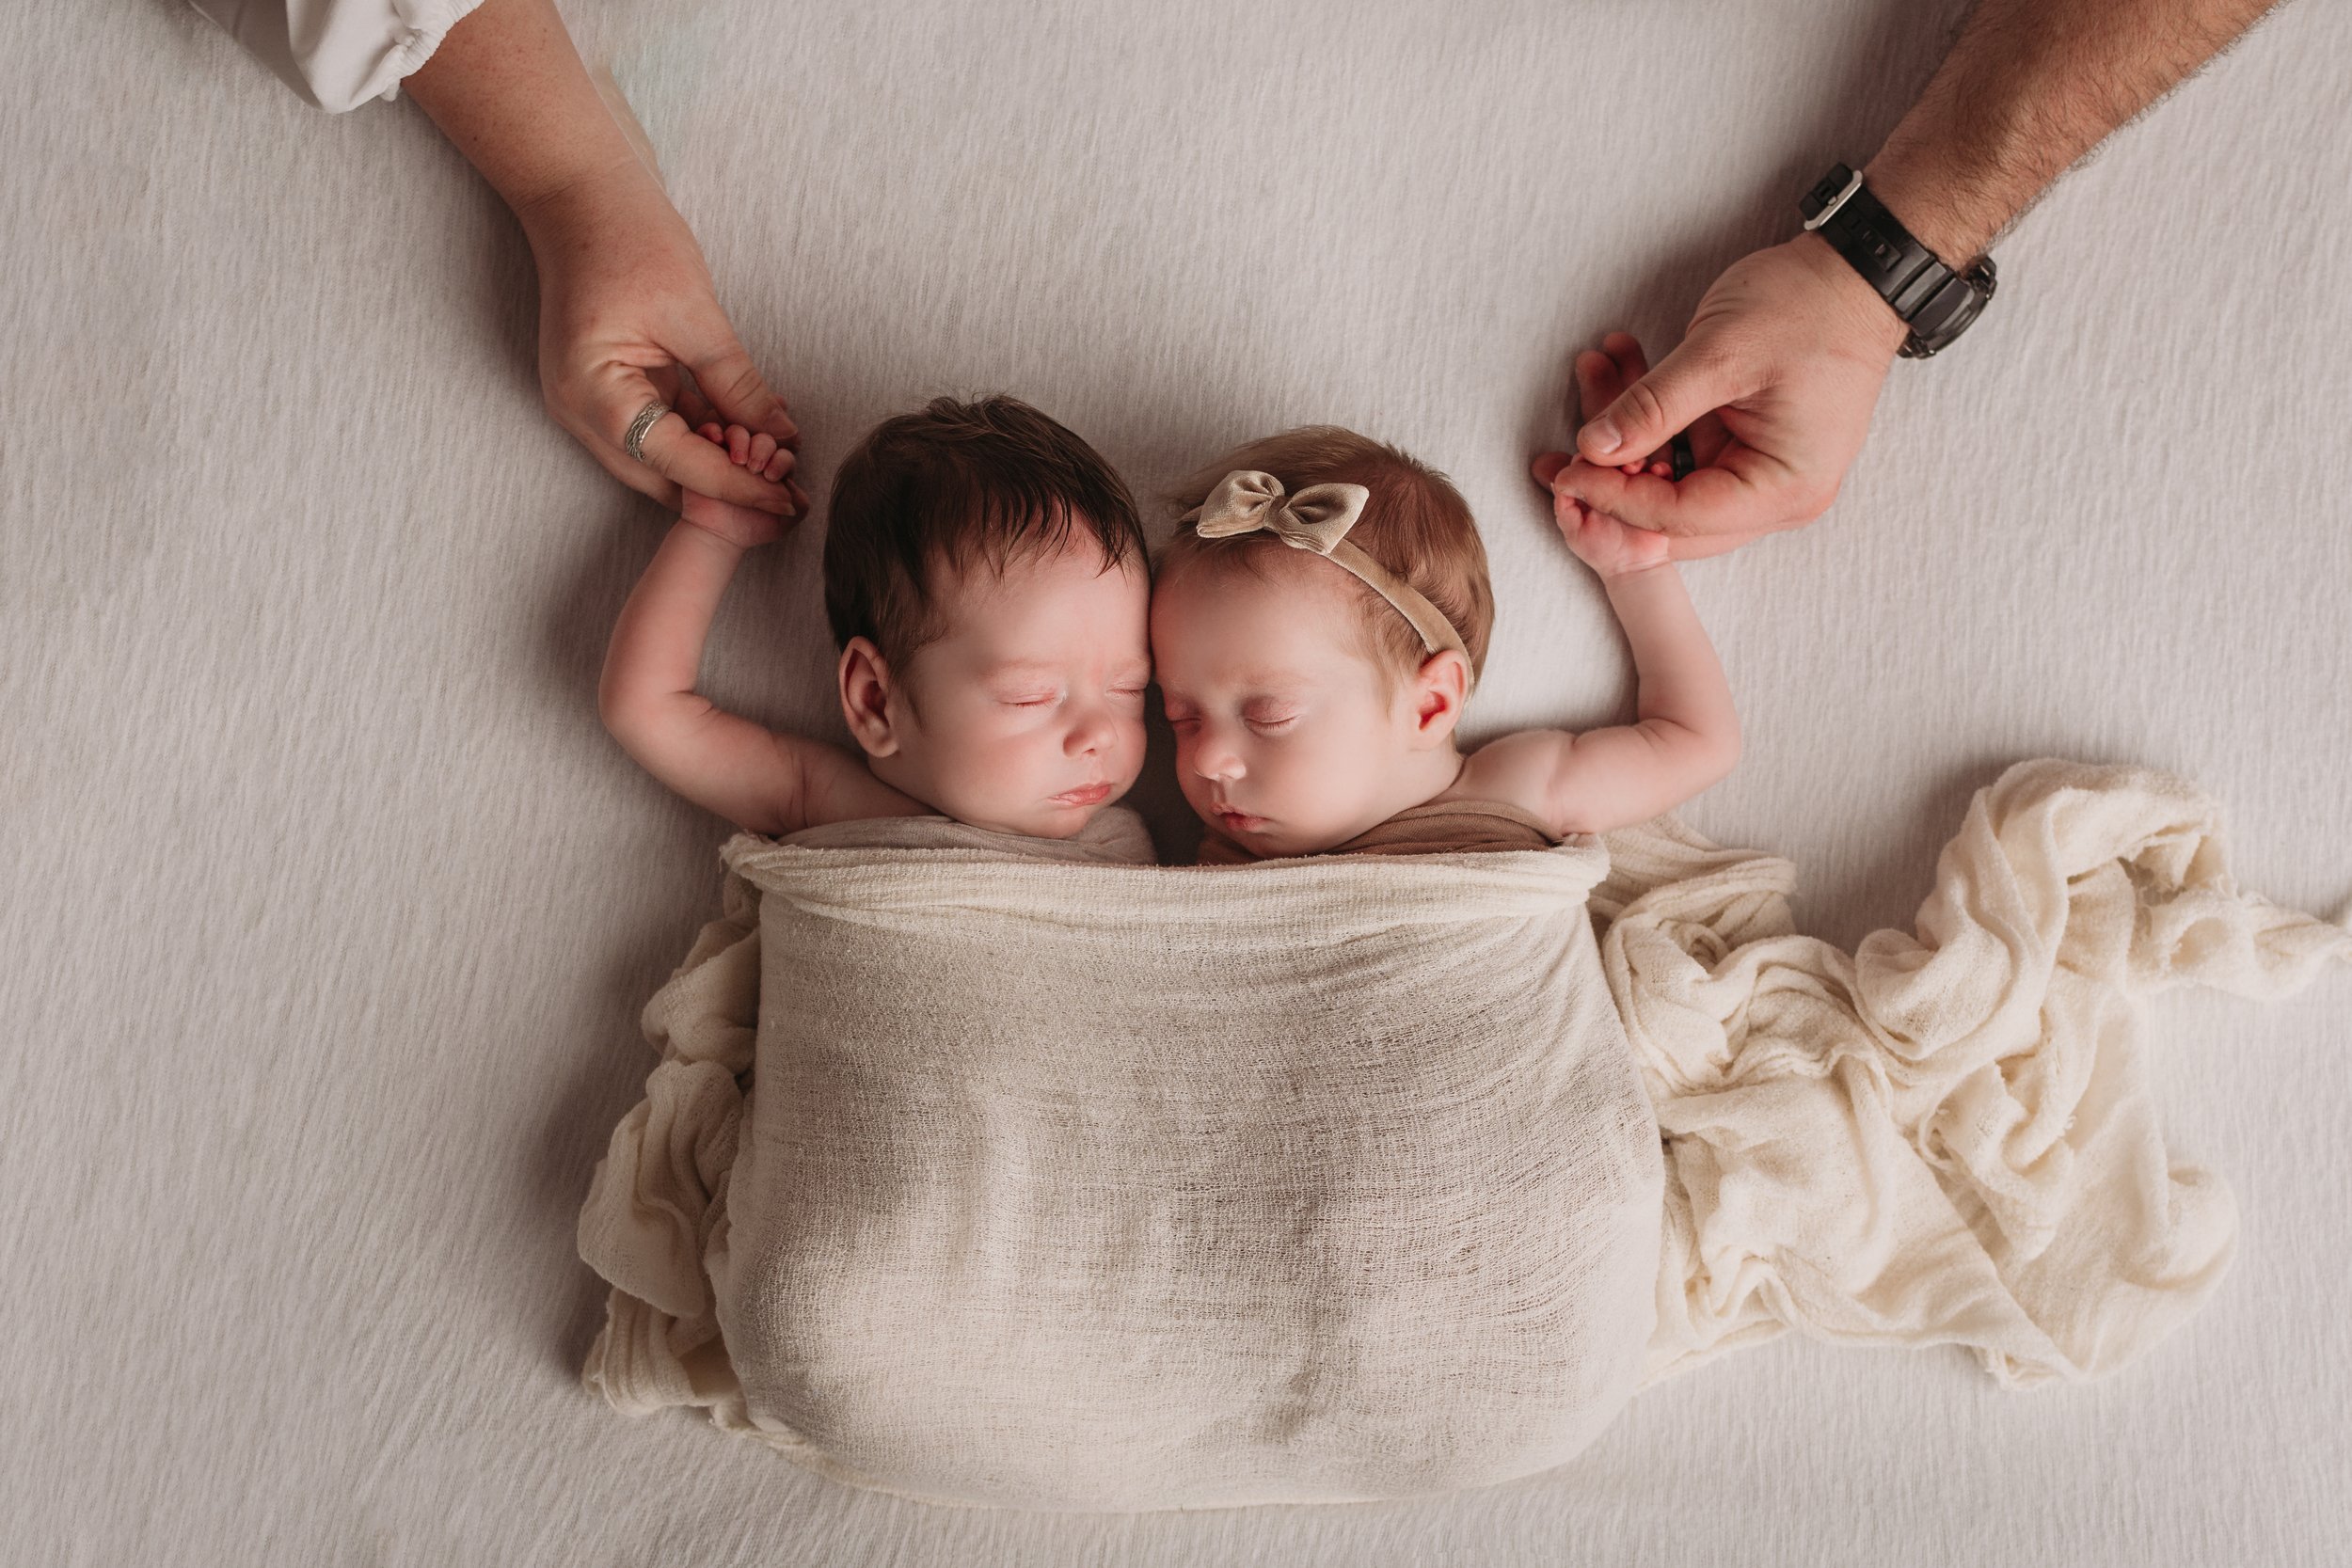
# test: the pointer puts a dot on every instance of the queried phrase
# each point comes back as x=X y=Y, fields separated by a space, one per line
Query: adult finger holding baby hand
x=626 y=313
x=1775 y=381
x=1604 y=542
x=743 y=526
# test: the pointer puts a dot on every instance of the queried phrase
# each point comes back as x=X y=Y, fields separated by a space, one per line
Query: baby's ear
x=1439 y=689
x=863 y=677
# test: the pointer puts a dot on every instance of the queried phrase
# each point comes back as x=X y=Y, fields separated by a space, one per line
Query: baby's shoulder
x=841 y=787
x=1518 y=768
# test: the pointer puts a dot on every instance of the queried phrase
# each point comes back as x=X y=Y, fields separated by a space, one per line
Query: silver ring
x=634 y=442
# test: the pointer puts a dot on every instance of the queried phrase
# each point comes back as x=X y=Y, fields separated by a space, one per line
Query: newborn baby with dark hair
x=986 y=582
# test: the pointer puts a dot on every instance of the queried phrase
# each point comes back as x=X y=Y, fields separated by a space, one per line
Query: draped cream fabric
x=1946 y=1136
x=1069 y=1182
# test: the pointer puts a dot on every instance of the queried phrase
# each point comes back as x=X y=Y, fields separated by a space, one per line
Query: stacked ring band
x=647 y=416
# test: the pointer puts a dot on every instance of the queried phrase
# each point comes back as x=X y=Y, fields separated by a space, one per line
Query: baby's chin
x=1049 y=819
x=1269 y=840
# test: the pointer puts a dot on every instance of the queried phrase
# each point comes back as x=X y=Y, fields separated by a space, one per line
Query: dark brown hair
x=1416 y=524
x=955 y=485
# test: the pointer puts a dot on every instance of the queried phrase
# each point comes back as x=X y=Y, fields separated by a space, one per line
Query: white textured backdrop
x=328 y=906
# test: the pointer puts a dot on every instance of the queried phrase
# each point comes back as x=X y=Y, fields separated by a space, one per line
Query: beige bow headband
x=1317 y=518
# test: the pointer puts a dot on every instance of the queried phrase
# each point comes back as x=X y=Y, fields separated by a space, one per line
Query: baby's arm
x=1686 y=733
x=755 y=778
x=747 y=774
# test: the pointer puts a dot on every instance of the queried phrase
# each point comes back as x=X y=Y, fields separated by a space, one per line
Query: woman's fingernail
x=1602 y=436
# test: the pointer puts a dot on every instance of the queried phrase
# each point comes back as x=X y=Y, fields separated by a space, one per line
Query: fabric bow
x=1249 y=501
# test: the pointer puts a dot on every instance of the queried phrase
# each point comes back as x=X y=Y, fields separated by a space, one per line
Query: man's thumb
x=1648 y=414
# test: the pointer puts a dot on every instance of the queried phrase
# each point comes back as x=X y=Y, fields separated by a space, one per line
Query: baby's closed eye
x=1269 y=716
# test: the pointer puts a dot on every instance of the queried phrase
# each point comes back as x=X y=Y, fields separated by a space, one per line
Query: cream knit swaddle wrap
x=1092 y=1186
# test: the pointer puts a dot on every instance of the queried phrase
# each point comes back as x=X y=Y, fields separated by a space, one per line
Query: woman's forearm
x=2029 y=86
x=508 y=89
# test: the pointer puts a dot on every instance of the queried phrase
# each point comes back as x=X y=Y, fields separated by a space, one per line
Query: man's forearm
x=508 y=89
x=2029 y=88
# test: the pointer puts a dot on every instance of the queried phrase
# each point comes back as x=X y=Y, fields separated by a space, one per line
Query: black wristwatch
x=1935 y=301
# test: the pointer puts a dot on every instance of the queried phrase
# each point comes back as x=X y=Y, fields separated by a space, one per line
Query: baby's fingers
x=1624 y=350
x=1568 y=513
x=1595 y=384
x=1603 y=374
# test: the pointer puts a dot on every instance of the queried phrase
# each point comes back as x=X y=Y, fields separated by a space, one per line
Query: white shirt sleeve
x=338 y=53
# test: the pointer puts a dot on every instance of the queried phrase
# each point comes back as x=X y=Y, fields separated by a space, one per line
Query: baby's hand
x=757 y=452
x=1610 y=548
x=738 y=525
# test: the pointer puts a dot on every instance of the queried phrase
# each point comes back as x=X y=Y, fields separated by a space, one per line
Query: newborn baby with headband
x=1322 y=615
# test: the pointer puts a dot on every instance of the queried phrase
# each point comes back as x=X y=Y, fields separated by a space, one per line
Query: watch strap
x=1935 y=301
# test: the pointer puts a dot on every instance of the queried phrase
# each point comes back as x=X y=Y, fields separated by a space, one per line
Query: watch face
x=1927 y=340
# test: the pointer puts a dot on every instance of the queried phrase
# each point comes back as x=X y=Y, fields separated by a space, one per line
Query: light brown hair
x=955 y=485
x=1416 y=524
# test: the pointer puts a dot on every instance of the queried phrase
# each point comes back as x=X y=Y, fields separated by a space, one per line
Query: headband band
x=1317 y=519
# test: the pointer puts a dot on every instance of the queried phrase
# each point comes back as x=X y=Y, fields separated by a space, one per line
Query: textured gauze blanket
x=993 y=1170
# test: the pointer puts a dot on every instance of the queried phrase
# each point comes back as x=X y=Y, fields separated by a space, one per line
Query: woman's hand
x=1778 y=374
x=628 y=315
x=627 y=311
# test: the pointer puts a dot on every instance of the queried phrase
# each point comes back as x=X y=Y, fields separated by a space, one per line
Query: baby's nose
x=1216 y=762
x=1092 y=731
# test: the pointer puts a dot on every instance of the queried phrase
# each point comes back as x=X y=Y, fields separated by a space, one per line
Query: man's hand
x=1790 y=347
x=1775 y=380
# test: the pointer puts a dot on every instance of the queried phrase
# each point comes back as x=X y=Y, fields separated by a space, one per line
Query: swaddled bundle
x=1082 y=1184
x=1068 y=1181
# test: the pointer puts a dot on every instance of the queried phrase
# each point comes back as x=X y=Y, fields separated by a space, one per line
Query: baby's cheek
x=1185 y=776
x=1312 y=784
